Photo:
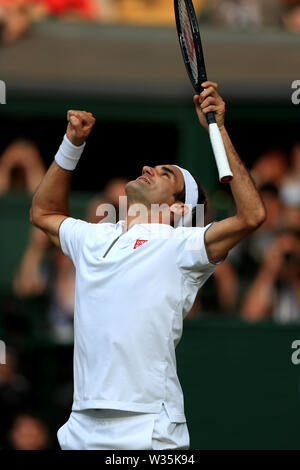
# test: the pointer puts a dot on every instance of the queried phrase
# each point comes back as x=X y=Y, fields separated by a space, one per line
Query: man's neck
x=133 y=220
x=145 y=217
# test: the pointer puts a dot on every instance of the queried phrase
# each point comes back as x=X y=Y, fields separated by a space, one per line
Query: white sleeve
x=192 y=257
x=71 y=236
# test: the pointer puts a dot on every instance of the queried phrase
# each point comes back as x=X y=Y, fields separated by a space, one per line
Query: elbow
x=32 y=216
x=36 y=213
x=35 y=217
x=261 y=216
x=257 y=219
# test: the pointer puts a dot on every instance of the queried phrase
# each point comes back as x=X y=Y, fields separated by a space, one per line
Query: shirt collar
x=146 y=227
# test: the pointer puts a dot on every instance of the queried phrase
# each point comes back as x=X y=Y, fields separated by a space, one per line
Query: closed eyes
x=167 y=171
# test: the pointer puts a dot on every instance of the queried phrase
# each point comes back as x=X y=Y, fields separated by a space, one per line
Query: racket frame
x=215 y=136
x=202 y=76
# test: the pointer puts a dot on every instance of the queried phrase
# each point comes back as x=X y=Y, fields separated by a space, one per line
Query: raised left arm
x=222 y=236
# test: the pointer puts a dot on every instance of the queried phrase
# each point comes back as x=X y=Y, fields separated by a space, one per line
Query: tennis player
x=135 y=282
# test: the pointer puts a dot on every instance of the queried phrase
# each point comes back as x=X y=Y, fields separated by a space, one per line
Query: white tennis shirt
x=130 y=303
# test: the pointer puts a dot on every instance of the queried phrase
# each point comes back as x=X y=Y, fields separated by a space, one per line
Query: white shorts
x=122 y=430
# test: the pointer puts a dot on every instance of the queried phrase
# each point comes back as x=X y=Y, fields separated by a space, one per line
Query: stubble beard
x=136 y=194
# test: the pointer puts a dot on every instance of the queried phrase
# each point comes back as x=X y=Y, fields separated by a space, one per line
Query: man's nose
x=149 y=170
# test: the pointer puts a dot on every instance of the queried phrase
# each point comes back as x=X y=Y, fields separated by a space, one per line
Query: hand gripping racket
x=191 y=48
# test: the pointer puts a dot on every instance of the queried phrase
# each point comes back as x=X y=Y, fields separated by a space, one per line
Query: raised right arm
x=50 y=204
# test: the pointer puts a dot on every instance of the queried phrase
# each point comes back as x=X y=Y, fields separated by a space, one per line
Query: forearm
x=52 y=195
x=248 y=201
x=50 y=205
x=222 y=236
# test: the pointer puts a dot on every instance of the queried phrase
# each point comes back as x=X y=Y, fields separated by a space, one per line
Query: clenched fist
x=80 y=126
x=210 y=101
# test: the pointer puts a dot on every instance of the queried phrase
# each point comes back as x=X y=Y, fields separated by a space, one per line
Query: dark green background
x=241 y=389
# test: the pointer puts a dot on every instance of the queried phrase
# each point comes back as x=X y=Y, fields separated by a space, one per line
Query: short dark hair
x=202 y=199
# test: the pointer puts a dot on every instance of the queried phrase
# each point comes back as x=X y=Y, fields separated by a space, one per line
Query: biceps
x=222 y=236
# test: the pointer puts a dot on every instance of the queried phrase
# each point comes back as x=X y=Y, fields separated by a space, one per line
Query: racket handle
x=211 y=118
x=225 y=173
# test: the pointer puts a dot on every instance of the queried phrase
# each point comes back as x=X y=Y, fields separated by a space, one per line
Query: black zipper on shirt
x=113 y=243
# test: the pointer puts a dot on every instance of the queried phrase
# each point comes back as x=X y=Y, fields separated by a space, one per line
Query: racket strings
x=188 y=38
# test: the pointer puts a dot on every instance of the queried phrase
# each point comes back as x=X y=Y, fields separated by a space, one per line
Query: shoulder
x=76 y=233
x=185 y=236
x=191 y=253
x=77 y=225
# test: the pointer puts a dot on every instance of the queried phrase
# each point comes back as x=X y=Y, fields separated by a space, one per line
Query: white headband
x=191 y=197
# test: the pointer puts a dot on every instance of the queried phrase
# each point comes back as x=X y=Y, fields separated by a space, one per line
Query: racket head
x=190 y=42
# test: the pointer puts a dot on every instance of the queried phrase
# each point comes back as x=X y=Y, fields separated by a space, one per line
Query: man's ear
x=179 y=209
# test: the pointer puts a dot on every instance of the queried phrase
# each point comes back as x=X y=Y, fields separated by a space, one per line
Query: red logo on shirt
x=139 y=243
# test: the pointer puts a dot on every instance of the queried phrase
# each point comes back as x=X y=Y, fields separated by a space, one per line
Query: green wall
x=241 y=389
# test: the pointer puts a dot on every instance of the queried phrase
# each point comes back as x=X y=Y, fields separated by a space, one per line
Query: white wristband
x=68 y=155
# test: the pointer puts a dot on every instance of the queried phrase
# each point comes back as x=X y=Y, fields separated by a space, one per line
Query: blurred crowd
x=16 y=16
x=259 y=280
x=21 y=427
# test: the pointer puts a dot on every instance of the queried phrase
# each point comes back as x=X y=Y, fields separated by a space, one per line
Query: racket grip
x=225 y=173
x=211 y=118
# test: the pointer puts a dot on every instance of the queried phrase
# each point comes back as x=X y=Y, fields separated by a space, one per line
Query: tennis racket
x=191 y=48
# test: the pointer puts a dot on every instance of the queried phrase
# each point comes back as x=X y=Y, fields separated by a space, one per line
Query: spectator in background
x=220 y=295
x=294 y=173
x=247 y=258
x=14 y=20
x=56 y=280
x=244 y=13
x=271 y=167
x=225 y=289
x=291 y=15
x=275 y=291
x=21 y=166
x=30 y=280
x=61 y=308
x=149 y=11
x=15 y=392
x=290 y=194
x=16 y=16
x=28 y=432
x=221 y=290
